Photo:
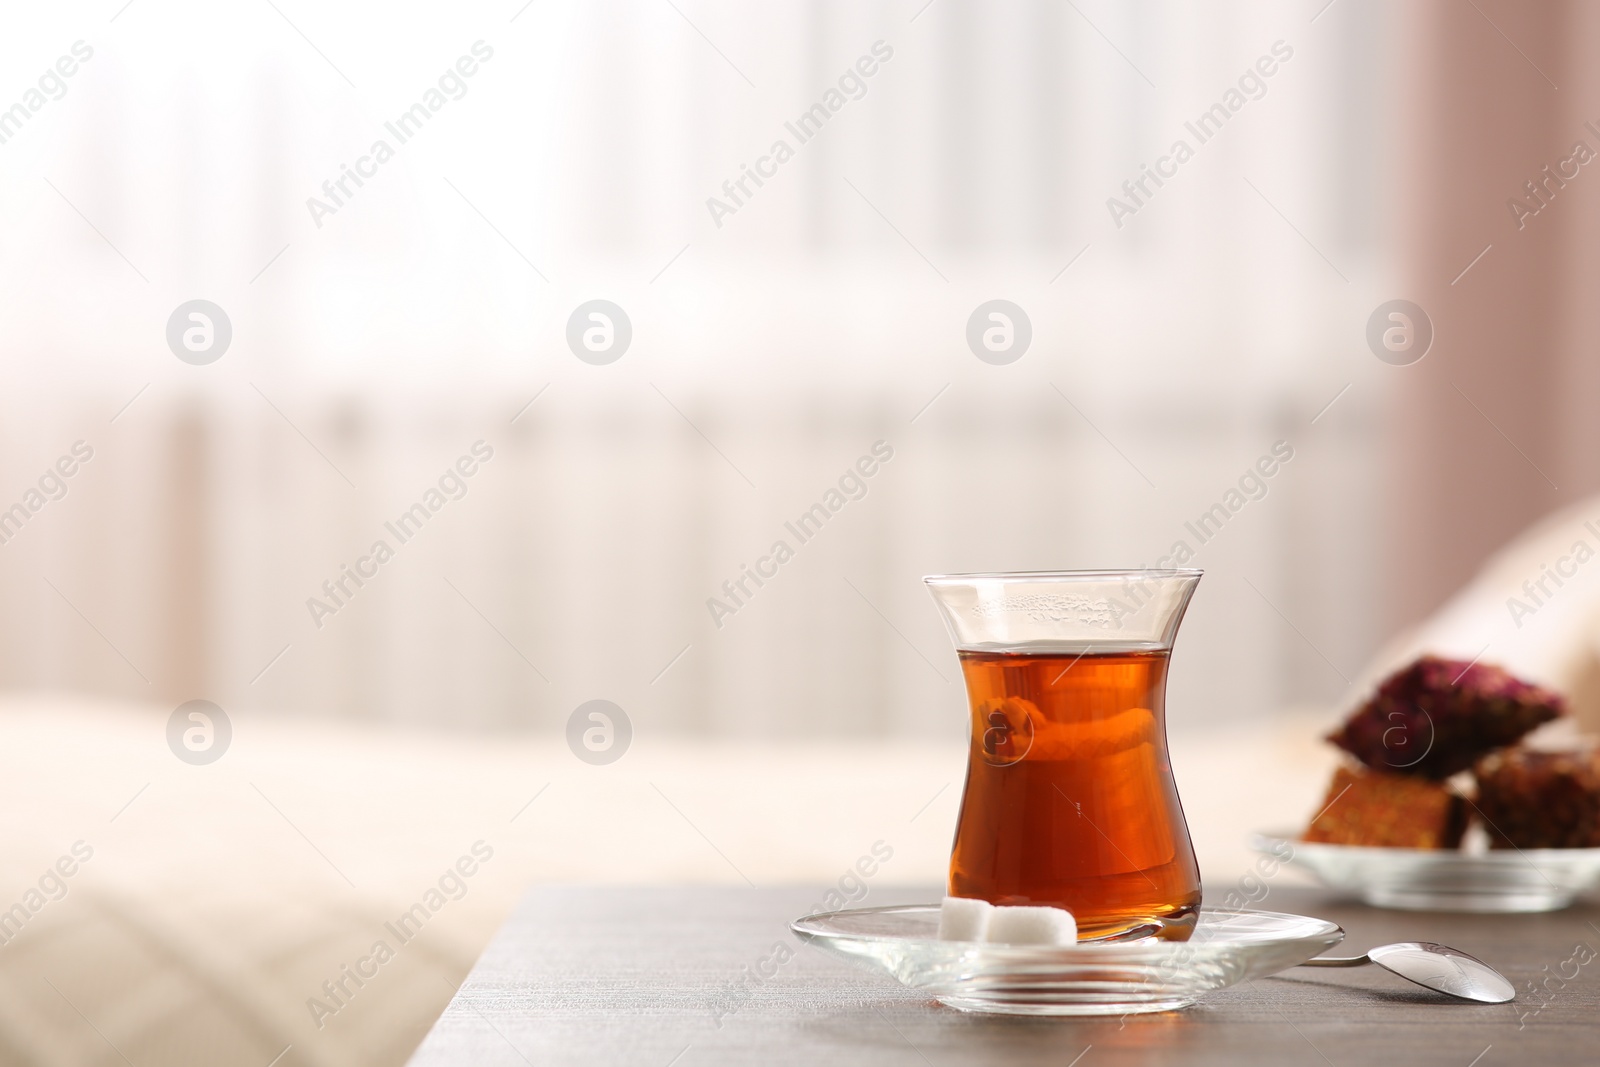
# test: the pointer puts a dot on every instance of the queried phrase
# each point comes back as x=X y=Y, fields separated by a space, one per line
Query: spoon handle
x=1336 y=961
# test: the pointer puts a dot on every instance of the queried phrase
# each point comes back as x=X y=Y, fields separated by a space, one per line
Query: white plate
x=1422 y=879
x=1090 y=978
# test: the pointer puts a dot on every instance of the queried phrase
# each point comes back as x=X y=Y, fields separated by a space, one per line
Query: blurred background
x=374 y=343
x=1338 y=156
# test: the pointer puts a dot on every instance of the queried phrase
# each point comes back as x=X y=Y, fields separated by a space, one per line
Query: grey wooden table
x=691 y=977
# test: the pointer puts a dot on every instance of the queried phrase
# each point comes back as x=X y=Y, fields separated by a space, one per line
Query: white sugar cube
x=961 y=919
x=1032 y=926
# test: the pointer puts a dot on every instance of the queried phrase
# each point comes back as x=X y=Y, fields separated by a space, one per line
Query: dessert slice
x=1440 y=716
x=1532 y=799
x=1366 y=807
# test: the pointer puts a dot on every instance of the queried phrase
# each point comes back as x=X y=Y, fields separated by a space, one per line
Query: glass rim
x=1113 y=573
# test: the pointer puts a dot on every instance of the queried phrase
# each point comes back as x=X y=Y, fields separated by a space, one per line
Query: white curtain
x=769 y=353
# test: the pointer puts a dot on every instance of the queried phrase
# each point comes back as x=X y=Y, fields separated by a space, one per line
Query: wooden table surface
x=687 y=977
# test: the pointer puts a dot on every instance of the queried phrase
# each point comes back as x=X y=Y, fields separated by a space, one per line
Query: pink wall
x=1514 y=336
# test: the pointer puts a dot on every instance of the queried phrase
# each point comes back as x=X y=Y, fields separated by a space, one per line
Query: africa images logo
x=199 y=332
x=199 y=732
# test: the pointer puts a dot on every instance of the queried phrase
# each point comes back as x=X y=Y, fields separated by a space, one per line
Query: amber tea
x=1069 y=798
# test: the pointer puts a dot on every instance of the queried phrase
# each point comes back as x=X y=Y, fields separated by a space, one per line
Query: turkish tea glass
x=1069 y=799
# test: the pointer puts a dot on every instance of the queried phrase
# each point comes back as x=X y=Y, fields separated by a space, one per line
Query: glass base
x=1004 y=1005
x=1177 y=926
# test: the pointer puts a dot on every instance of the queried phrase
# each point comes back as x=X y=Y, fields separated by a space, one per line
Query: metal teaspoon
x=1437 y=967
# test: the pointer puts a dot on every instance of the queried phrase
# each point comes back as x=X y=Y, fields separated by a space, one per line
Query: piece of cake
x=1365 y=807
x=1531 y=799
x=1440 y=716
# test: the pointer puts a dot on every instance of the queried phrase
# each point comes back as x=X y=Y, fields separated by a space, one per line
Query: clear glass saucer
x=1090 y=978
x=1420 y=879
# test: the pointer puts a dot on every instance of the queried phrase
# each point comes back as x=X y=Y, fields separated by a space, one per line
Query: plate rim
x=1153 y=948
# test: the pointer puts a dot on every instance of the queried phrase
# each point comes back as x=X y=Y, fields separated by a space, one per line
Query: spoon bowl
x=1437 y=967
